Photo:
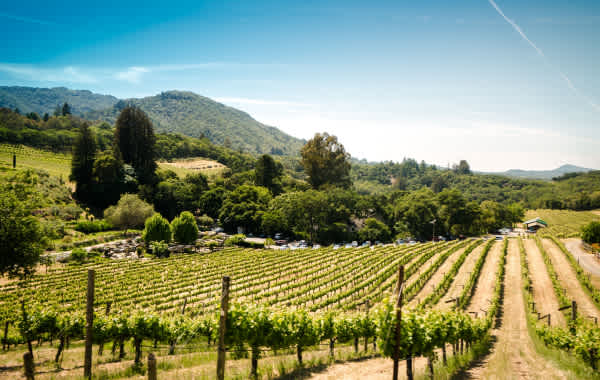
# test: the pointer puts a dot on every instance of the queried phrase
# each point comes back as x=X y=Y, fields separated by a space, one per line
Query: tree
x=134 y=136
x=108 y=179
x=590 y=233
x=244 y=207
x=46 y=116
x=57 y=110
x=21 y=237
x=82 y=163
x=129 y=212
x=462 y=167
x=157 y=228
x=268 y=173
x=374 y=230
x=66 y=109
x=185 y=229
x=325 y=161
x=415 y=211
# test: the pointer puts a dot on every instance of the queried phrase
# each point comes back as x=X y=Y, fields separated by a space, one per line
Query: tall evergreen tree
x=325 y=161
x=268 y=172
x=66 y=109
x=134 y=136
x=82 y=163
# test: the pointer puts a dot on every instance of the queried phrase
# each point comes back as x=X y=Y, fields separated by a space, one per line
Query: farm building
x=535 y=224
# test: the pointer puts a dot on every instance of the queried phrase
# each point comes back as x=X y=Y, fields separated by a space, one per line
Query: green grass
x=56 y=164
x=563 y=223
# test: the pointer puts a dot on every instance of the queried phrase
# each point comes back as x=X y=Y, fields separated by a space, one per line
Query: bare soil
x=568 y=279
x=436 y=278
x=486 y=282
x=461 y=278
x=196 y=164
x=543 y=291
x=513 y=355
x=372 y=369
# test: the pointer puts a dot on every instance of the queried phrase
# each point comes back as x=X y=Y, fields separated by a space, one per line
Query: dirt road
x=513 y=355
x=587 y=261
x=543 y=291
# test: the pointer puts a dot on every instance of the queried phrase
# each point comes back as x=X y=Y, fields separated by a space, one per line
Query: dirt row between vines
x=568 y=279
x=513 y=355
x=460 y=279
x=436 y=278
x=543 y=291
x=486 y=282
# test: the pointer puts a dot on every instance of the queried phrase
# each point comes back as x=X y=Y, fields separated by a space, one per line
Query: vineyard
x=56 y=164
x=563 y=223
x=290 y=309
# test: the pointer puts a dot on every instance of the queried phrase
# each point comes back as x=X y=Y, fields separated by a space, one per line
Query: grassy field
x=563 y=223
x=56 y=164
x=59 y=164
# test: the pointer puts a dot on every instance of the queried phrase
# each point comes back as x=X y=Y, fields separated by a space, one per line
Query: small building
x=535 y=224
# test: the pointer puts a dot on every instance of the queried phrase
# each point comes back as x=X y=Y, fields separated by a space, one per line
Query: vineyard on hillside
x=563 y=223
x=287 y=307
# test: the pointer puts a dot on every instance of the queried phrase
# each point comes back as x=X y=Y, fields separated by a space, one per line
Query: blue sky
x=501 y=83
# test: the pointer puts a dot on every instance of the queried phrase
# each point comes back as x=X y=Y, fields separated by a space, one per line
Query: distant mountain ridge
x=171 y=111
x=544 y=174
x=45 y=100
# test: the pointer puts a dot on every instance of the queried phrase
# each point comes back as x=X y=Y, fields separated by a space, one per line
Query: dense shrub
x=590 y=233
x=91 y=226
x=129 y=212
x=184 y=228
x=157 y=228
x=235 y=240
x=160 y=249
x=79 y=255
x=205 y=222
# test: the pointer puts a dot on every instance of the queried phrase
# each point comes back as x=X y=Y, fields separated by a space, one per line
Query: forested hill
x=544 y=174
x=45 y=100
x=172 y=111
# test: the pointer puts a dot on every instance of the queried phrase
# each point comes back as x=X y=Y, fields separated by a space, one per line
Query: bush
x=157 y=228
x=87 y=226
x=374 y=230
x=184 y=228
x=160 y=249
x=205 y=222
x=79 y=255
x=235 y=240
x=590 y=233
x=129 y=212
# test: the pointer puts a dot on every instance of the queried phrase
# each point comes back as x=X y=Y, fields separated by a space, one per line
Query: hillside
x=172 y=111
x=544 y=174
x=45 y=100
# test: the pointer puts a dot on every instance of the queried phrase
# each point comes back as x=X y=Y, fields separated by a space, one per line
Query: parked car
x=366 y=244
x=336 y=246
x=355 y=243
x=316 y=246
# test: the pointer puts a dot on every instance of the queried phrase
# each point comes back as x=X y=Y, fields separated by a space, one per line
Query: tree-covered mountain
x=197 y=116
x=172 y=111
x=45 y=100
x=544 y=174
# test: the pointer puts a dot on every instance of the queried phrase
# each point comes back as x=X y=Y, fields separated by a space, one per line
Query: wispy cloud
x=28 y=19
x=570 y=84
x=68 y=74
x=132 y=74
x=261 y=102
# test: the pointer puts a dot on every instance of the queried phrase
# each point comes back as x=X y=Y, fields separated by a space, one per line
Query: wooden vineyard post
x=29 y=366
x=397 y=328
x=151 y=367
x=14 y=161
x=5 y=339
x=573 y=311
x=184 y=305
x=89 y=326
x=222 y=326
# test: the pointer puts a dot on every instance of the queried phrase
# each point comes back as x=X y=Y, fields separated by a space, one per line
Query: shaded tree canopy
x=134 y=137
x=325 y=161
x=82 y=163
x=21 y=237
x=268 y=173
